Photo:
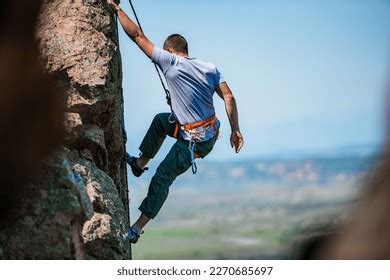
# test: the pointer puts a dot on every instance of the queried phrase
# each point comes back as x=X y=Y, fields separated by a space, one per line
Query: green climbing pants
x=177 y=161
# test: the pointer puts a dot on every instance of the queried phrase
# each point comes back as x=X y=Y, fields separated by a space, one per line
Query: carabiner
x=191 y=147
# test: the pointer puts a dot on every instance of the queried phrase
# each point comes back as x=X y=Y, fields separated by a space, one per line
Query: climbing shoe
x=132 y=161
x=133 y=235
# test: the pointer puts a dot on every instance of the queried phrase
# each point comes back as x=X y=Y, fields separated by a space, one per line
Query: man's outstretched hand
x=236 y=140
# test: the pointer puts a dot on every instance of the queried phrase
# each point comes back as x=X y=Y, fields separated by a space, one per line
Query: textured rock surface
x=77 y=205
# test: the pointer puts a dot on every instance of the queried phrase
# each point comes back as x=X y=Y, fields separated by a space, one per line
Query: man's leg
x=175 y=163
x=154 y=138
x=151 y=144
x=141 y=222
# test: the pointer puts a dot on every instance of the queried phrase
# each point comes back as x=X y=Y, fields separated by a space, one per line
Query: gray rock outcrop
x=76 y=206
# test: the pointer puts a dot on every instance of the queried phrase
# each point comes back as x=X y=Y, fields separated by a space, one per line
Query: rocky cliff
x=76 y=206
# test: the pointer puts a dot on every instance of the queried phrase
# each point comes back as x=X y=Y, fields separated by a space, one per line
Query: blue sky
x=307 y=75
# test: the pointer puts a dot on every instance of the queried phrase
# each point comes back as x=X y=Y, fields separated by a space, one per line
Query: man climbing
x=192 y=121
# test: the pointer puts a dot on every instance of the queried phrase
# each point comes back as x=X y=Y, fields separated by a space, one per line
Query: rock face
x=76 y=206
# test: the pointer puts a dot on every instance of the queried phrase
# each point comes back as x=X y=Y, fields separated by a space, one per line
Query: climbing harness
x=171 y=118
x=196 y=132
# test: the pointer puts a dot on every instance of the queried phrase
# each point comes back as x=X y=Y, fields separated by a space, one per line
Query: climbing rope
x=167 y=93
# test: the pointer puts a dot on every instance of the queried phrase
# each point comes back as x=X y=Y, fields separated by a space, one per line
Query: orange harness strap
x=174 y=135
x=188 y=127
x=176 y=131
x=207 y=122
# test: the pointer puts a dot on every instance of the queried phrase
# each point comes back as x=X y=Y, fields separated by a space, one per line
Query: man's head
x=176 y=43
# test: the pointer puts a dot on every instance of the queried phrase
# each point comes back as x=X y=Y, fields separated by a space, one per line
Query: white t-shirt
x=192 y=84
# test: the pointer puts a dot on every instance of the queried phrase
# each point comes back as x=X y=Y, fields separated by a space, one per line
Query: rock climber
x=191 y=83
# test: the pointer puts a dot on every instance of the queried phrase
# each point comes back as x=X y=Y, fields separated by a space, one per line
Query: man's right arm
x=133 y=30
x=236 y=139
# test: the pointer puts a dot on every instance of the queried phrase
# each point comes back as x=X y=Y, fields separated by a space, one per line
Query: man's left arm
x=133 y=30
x=236 y=139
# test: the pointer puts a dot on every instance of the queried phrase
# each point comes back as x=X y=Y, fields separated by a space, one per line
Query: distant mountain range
x=360 y=150
x=284 y=172
x=318 y=171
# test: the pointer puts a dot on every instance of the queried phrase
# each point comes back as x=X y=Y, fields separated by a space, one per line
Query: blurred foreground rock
x=366 y=235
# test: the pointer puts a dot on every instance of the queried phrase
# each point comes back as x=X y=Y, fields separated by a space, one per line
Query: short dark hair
x=176 y=42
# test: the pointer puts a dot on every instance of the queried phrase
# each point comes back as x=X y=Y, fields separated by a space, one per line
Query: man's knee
x=163 y=177
x=171 y=168
x=160 y=123
x=159 y=118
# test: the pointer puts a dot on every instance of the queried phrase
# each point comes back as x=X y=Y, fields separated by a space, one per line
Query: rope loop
x=167 y=93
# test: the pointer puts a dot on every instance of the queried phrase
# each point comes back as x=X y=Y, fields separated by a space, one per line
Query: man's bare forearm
x=131 y=29
x=226 y=94
x=232 y=112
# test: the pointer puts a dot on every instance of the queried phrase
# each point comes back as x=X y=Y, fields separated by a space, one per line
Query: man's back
x=192 y=84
